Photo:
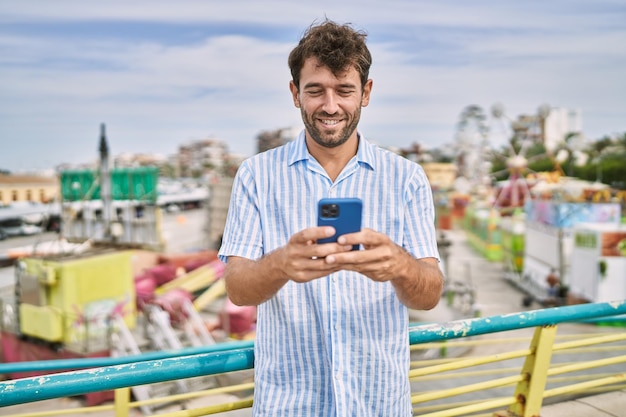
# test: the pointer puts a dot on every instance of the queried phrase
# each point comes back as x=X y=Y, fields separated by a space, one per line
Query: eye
x=314 y=93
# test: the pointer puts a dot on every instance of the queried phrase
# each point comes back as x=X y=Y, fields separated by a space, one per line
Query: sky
x=159 y=74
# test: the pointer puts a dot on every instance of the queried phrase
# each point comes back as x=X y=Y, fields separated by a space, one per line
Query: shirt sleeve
x=242 y=232
x=420 y=238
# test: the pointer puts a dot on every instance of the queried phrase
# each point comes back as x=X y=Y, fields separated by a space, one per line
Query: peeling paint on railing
x=434 y=332
x=73 y=383
x=65 y=364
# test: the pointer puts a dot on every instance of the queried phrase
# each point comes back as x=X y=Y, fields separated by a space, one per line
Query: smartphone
x=344 y=214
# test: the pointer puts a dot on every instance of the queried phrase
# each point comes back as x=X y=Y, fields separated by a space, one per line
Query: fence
x=510 y=383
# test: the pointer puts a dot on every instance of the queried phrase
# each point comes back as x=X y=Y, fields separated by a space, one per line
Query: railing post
x=122 y=400
x=529 y=392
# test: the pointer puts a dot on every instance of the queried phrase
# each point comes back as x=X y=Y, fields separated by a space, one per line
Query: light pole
x=443 y=243
x=105 y=181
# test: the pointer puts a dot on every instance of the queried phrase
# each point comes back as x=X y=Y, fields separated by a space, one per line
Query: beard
x=330 y=138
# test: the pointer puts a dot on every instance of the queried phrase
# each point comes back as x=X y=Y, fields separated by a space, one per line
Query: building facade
x=19 y=188
x=559 y=124
x=441 y=175
x=199 y=156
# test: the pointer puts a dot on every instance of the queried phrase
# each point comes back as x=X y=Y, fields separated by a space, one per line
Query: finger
x=310 y=269
x=345 y=259
x=313 y=234
x=375 y=270
x=323 y=250
x=360 y=258
x=365 y=237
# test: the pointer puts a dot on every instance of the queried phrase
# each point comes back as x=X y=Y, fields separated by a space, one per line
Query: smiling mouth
x=329 y=122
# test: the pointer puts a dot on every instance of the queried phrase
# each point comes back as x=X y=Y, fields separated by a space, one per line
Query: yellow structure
x=69 y=300
x=15 y=188
x=440 y=175
x=196 y=280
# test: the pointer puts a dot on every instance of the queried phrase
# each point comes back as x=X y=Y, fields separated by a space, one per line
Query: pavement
x=497 y=296
x=494 y=296
x=612 y=404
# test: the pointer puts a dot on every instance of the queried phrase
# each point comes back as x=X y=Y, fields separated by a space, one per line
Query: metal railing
x=506 y=383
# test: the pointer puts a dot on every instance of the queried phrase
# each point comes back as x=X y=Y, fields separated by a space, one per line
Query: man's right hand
x=302 y=259
x=252 y=282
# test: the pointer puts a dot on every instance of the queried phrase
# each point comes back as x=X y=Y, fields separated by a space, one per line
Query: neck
x=333 y=160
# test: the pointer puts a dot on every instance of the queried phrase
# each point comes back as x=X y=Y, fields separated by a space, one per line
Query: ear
x=367 y=90
x=294 y=94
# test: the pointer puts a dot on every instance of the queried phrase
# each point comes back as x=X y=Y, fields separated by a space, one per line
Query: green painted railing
x=65 y=364
x=534 y=318
x=67 y=384
x=117 y=373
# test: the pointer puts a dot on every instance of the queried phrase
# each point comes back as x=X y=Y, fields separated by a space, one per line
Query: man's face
x=330 y=105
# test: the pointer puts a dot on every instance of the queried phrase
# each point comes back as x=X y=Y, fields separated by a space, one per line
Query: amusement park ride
x=475 y=153
x=537 y=221
x=111 y=291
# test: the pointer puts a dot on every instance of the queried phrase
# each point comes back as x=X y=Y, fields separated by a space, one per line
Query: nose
x=330 y=104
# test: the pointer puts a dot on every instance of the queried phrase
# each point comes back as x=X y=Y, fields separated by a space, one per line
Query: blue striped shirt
x=336 y=346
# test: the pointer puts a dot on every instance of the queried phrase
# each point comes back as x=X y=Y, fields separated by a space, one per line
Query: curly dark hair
x=336 y=46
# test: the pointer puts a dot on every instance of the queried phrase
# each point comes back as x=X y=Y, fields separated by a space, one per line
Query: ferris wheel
x=527 y=131
x=472 y=150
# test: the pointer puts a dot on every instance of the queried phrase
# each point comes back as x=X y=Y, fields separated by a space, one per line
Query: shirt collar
x=299 y=151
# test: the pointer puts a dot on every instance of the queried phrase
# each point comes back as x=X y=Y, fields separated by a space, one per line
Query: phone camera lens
x=330 y=210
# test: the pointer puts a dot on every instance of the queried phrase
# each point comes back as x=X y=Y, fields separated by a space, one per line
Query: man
x=553 y=282
x=332 y=335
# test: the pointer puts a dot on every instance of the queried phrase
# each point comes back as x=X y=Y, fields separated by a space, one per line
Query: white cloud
x=431 y=59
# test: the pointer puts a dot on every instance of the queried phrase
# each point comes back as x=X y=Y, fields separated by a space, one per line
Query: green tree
x=607 y=156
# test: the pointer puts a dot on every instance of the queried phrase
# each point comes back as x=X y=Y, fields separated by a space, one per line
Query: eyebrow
x=344 y=85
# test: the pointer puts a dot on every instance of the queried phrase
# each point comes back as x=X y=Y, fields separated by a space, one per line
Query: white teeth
x=330 y=122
